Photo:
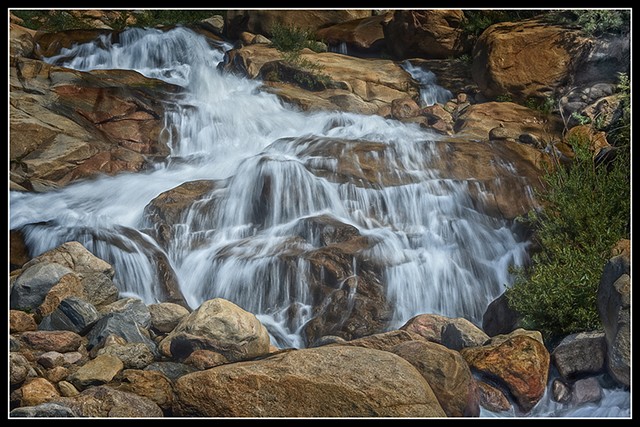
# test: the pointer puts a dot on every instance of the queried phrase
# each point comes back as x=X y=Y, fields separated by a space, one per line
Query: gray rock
x=585 y=391
x=171 y=370
x=44 y=410
x=19 y=368
x=120 y=324
x=32 y=285
x=499 y=318
x=461 y=333
x=100 y=288
x=614 y=307
x=72 y=314
x=580 y=354
x=134 y=307
x=133 y=355
x=51 y=359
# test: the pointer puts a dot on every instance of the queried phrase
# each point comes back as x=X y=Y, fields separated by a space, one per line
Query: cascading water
x=276 y=174
x=431 y=92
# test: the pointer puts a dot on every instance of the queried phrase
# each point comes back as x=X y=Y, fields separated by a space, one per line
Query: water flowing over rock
x=321 y=382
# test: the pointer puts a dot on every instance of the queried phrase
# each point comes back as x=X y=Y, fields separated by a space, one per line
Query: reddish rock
x=519 y=361
x=60 y=341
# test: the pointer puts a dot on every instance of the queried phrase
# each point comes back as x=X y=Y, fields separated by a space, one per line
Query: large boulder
x=329 y=381
x=614 y=307
x=528 y=58
x=536 y=59
x=425 y=34
x=446 y=372
x=580 y=354
x=519 y=361
x=218 y=325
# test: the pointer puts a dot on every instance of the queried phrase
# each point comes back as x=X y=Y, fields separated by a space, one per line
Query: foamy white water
x=440 y=254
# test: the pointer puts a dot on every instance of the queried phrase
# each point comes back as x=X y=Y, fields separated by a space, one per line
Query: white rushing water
x=246 y=240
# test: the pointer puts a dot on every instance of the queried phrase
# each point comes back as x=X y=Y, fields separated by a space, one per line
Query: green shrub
x=476 y=21
x=545 y=106
x=600 y=21
x=505 y=97
x=291 y=39
x=586 y=211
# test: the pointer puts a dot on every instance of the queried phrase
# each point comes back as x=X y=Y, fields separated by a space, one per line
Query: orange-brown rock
x=329 y=381
x=425 y=33
x=153 y=385
x=526 y=59
x=518 y=361
x=19 y=321
x=446 y=372
x=37 y=391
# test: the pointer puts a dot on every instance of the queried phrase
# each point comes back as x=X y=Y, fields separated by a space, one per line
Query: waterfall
x=430 y=92
x=282 y=178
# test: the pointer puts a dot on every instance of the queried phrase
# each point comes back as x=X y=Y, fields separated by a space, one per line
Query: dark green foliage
x=292 y=39
x=476 y=21
x=587 y=210
x=60 y=20
x=597 y=22
x=169 y=17
x=546 y=105
x=50 y=20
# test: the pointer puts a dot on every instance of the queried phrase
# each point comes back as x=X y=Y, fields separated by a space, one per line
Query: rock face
x=518 y=360
x=526 y=59
x=263 y=21
x=363 y=36
x=218 y=325
x=425 y=34
x=104 y=401
x=614 y=306
x=479 y=119
x=332 y=381
x=364 y=84
x=67 y=125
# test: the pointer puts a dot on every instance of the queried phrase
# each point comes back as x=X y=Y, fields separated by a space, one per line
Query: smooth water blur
x=440 y=254
x=431 y=92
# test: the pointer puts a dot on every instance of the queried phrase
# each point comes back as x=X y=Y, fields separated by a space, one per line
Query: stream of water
x=438 y=253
